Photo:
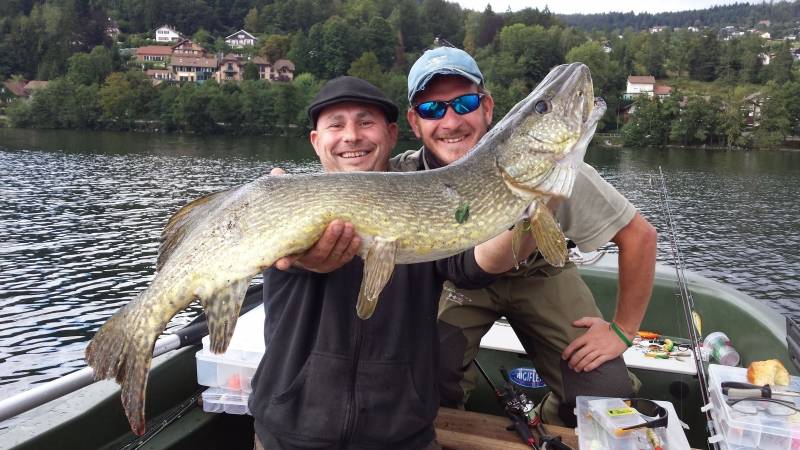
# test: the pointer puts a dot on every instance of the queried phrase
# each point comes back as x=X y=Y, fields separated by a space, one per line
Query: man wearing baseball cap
x=329 y=380
x=574 y=350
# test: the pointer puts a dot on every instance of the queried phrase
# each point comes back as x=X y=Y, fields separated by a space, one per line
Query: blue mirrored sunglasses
x=436 y=109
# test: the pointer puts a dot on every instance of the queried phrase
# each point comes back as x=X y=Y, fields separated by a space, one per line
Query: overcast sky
x=594 y=6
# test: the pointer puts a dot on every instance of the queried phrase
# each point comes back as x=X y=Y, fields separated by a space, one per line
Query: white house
x=166 y=33
x=241 y=39
x=640 y=85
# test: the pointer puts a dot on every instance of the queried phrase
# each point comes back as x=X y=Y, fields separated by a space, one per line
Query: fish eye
x=541 y=107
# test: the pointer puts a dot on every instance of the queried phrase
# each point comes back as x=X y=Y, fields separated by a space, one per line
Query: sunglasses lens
x=431 y=110
x=466 y=103
x=436 y=109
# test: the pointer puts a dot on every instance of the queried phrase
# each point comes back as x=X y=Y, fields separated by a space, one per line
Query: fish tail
x=122 y=349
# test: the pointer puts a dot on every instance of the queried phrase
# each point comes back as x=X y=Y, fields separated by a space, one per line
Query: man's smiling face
x=452 y=136
x=352 y=136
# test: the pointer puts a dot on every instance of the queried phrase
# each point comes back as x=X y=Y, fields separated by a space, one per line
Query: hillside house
x=154 y=53
x=662 y=91
x=188 y=48
x=23 y=89
x=192 y=68
x=11 y=89
x=160 y=75
x=241 y=39
x=231 y=68
x=639 y=85
x=752 y=106
x=282 y=70
x=645 y=85
x=166 y=33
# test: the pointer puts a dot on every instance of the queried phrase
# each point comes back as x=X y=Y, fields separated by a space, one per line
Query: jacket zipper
x=351 y=413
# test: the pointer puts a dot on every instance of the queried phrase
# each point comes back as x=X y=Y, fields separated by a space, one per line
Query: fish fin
x=520 y=230
x=378 y=268
x=550 y=239
x=222 y=311
x=122 y=348
x=179 y=225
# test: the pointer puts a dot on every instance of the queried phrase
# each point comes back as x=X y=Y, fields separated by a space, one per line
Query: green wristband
x=621 y=334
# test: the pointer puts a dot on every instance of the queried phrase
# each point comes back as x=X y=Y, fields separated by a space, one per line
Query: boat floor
x=467 y=430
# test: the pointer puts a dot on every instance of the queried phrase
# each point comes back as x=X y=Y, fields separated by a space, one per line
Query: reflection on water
x=81 y=213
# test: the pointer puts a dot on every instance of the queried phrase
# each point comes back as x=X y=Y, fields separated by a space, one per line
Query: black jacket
x=331 y=380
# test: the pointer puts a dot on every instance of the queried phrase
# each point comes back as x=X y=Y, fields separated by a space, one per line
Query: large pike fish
x=212 y=247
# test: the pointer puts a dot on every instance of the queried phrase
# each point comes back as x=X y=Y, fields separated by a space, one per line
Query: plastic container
x=721 y=349
x=234 y=369
x=592 y=433
x=756 y=430
x=219 y=400
x=225 y=372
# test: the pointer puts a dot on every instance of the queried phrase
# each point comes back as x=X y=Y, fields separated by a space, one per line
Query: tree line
x=377 y=40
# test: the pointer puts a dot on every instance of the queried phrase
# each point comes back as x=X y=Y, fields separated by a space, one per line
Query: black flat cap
x=344 y=89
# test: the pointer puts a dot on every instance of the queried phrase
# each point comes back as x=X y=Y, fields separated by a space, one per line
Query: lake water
x=81 y=214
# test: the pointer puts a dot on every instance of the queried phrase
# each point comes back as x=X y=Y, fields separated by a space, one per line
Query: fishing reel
x=516 y=403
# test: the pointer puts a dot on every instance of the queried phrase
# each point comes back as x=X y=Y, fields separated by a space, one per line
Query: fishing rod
x=689 y=312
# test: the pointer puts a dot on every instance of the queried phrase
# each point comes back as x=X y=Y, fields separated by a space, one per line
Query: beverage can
x=720 y=348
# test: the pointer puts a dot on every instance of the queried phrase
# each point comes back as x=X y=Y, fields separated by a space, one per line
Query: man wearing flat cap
x=329 y=380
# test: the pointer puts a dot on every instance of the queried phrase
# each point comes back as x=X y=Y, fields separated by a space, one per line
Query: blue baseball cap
x=442 y=61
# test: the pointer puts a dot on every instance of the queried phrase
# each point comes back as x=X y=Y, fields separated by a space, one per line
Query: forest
x=714 y=78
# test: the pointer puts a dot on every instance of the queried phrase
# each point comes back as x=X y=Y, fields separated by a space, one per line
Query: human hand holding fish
x=212 y=247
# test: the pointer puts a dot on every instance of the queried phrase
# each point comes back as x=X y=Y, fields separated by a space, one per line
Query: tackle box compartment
x=752 y=426
x=221 y=400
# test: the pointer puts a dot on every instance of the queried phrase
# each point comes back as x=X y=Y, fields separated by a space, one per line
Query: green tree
x=650 y=57
x=124 y=98
x=780 y=68
x=696 y=123
x=646 y=126
x=367 y=68
x=252 y=23
x=276 y=46
x=340 y=41
x=203 y=38
x=490 y=25
x=380 y=40
x=224 y=105
x=250 y=71
x=704 y=58
x=442 y=19
x=750 y=60
x=90 y=68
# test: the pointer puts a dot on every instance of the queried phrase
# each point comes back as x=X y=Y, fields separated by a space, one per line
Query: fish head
x=543 y=139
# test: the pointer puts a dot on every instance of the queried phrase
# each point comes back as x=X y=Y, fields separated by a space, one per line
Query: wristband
x=621 y=335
